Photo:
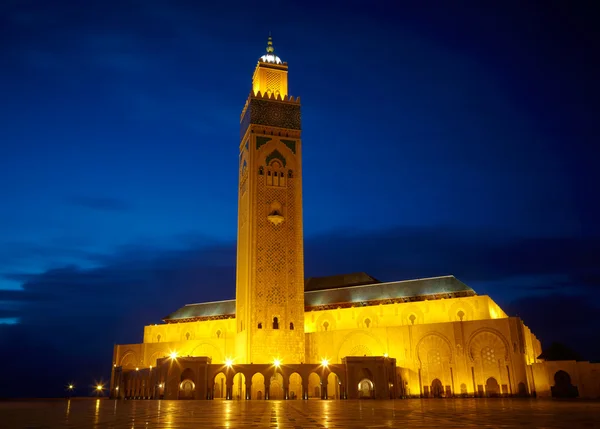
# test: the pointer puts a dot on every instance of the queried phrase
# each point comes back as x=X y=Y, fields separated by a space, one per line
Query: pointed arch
x=129 y=359
x=207 y=349
x=490 y=338
x=362 y=342
x=433 y=341
x=275 y=155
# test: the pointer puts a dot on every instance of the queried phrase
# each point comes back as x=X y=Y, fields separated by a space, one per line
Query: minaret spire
x=270 y=48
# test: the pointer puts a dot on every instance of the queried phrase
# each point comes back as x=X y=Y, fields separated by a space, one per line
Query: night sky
x=439 y=138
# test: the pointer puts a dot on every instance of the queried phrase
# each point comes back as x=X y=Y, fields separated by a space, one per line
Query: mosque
x=340 y=337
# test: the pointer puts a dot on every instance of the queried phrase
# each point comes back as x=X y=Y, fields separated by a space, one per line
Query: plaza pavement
x=296 y=414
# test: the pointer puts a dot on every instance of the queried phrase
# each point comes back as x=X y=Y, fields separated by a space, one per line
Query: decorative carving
x=274 y=114
x=275 y=155
x=245 y=123
x=275 y=215
x=484 y=339
x=291 y=144
x=260 y=140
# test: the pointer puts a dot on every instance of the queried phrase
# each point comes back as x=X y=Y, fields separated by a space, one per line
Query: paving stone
x=296 y=414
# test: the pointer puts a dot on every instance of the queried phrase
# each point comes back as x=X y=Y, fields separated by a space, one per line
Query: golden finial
x=270 y=48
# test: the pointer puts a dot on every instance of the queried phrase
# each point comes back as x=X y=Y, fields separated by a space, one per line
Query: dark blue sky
x=439 y=138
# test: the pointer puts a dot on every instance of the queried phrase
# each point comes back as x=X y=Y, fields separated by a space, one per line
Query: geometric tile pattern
x=274 y=114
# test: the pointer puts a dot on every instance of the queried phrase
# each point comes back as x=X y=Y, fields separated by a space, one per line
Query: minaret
x=270 y=257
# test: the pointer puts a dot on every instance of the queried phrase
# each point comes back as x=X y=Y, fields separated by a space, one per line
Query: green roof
x=334 y=282
x=410 y=290
x=342 y=296
x=204 y=310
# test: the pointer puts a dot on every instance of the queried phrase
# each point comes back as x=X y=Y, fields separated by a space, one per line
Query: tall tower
x=270 y=256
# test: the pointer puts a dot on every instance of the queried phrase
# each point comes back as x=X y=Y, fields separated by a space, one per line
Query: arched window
x=290 y=174
x=367 y=322
x=259 y=325
x=261 y=170
x=275 y=173
x=325 y=325
x=158 y=337
x=187 y=335
x=291 y=326
x=275 y=323
x=218 y=333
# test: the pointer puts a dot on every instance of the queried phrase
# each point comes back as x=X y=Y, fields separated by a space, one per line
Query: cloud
x=100 y=203
x=62 y=309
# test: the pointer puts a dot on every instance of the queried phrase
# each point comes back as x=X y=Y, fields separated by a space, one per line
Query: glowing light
x=137 y=369
x=161 y=385
x=150 y=367
x=493 y=313
x=173 y=355
x=117 y=388
x=277 y=363
x=270 y=58
x=99 y=387
x=324 y=362
x=228 y=362
x=385 y=355
x=71 y=387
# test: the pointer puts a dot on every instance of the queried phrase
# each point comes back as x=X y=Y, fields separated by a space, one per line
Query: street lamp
x=228 y=362
x=277 y=363
x=324 y=362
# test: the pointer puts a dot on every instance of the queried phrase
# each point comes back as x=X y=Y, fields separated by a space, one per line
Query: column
x=248 y=388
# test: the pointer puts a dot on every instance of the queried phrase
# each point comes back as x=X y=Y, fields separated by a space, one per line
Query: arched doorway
x=562 y=386
x=314 y=385
x=219 y=386
x=276 y=386
x=522 y=389
x=333 y=386
x=437 y=389
x=187 y=387
x=492 y=388
x=366 y=389
x=258 y=386
x=239 y=386
x=295 y=386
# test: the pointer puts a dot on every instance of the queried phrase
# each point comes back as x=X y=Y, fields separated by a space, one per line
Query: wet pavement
x=296 y=414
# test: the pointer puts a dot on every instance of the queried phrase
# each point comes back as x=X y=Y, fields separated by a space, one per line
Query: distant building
x=348 y=336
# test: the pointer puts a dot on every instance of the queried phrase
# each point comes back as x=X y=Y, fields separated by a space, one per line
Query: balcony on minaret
x=275 y=213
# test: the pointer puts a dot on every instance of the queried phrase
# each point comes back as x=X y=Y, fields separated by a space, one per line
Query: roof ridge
x=387 y=283
x=210 y=302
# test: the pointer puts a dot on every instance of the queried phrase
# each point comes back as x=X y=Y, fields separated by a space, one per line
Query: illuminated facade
x=337 y=337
